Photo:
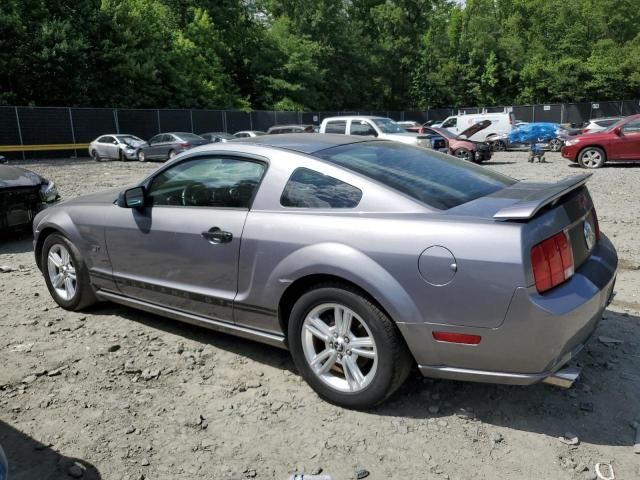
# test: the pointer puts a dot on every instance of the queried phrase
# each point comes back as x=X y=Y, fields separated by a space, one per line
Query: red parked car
x=460 y=145
x=619 y=142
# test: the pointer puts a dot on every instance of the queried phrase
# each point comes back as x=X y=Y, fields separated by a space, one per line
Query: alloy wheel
x=555 y=144
x=591 y=158
x=463 y=154
x=339 y=347
x=62 y=272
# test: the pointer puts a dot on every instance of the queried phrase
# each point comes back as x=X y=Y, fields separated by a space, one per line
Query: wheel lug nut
x=348 y=352
x=335 y=334
x=346 y=339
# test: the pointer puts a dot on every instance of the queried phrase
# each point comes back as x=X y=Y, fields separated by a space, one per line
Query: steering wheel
x=194 y=194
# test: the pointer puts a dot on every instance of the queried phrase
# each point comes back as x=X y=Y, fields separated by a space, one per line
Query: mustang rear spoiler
x=532 y=203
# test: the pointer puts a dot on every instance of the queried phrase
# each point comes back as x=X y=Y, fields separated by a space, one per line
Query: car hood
x=473 y=129
x=135 y=143
x=102 y=197
x=11 y=176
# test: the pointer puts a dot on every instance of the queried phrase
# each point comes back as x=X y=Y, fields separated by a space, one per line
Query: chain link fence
x=45 y=132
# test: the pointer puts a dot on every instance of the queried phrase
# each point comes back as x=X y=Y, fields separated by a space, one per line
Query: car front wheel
x=346 y=348
x=66 y=274
x=499 y=146
x=141 y=156
x=592 y=157
x=464 y=154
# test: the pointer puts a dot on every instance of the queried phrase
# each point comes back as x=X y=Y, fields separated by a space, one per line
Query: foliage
x=317 y=54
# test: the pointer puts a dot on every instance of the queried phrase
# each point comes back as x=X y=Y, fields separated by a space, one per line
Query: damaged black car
x=23 y=194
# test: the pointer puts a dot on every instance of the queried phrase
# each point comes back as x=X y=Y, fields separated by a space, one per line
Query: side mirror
x=132 y=198
x=617 y=131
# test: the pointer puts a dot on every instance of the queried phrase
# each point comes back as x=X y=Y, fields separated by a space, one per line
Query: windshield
x=438 y=180
x=128 y=139
x=386 y=125
x=616 y=123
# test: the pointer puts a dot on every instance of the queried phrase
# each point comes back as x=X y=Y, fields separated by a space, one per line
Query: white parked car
x=599 y=124
x=501 y=124
x=248 y=133
x=116 y=147
x=380 y=127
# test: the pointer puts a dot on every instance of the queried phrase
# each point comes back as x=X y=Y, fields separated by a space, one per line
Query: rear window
x=438 y=180
x=607 y=123
x=336 y=127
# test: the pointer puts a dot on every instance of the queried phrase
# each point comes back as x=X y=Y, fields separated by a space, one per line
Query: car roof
x=308 y=143
x=289 y=125
x=354 y=117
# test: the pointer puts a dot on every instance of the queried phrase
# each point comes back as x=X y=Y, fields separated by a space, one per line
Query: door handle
x=215 y=235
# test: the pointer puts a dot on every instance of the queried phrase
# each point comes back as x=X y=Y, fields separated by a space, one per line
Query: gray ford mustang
x=363 y=257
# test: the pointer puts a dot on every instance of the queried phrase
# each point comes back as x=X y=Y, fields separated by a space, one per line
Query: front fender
x=49 y=221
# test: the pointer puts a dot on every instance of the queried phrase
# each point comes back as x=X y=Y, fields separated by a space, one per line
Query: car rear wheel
x=464 y=154
x=141 y=156
x=499 y=146
x=592 y=157
x=66 y=274
x=172 y=154
x=346 y=348
x=555 y=144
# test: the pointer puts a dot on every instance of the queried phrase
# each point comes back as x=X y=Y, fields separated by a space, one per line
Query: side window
x=103 y=140
x=169 y=138
x=208 y=182
x=242 y=135
x=632 y=127
x=361 y=127
x=449 y=123
x=310 y=189
x=338 y=126
x=155 y=139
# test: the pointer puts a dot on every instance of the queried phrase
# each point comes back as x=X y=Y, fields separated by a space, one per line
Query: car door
x=112 y=148
x=151 y=150
x=181 y=249
x=626 y=146
x=451 y=124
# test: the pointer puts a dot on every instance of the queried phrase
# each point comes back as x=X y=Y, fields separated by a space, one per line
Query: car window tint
x=439 y=180
x=103 y=140
x=632 y=127
x=310 y=189
x=361 y=127
x=336 y=127
x=208 y=182
x=606 y=123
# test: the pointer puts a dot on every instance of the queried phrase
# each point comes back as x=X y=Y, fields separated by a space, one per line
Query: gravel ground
x=114 y=393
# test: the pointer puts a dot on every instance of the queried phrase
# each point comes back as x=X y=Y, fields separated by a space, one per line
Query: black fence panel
x=263 y=120
x=175 y=121
x=9 y=133
x=286 y=118
x=310 y=118
x=469 y=110
x=206 y=121
x=90 y=123
x=576 y=113
x=416 y=116
x=142 y=123
x=45 y=125
x=606 y=109
x=495 y=109
x=547 y=113
x=524 y=113
x=323 y=115
x=398 y=116
x=630 y=107
x=439 y=114
x=237 y=121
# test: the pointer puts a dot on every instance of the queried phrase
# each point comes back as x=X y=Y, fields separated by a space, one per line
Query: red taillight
x=421 y=130
x=552 y=262
x=185 y=145
x=452 y=337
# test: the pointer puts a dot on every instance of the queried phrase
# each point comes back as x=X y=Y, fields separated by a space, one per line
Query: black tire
x=84 y=295
x=95 y=156
x=499 y=146
x=592 y=157
x=120 y=156
x=394 y=360
x=141 y=156
x=464 y=154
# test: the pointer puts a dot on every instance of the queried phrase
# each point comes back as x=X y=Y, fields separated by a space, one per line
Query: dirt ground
x=114 y=393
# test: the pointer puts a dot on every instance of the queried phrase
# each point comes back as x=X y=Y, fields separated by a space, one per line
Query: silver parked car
x=249 y=133
x=599 y=124
x=115 y=147
x=166 y=145
x=361 y=256
x=217 y=137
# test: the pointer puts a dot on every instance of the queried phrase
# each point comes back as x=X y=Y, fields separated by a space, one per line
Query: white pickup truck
x=380 y=127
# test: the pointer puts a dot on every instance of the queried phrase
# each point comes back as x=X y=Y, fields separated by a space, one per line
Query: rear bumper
x=539 y=335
